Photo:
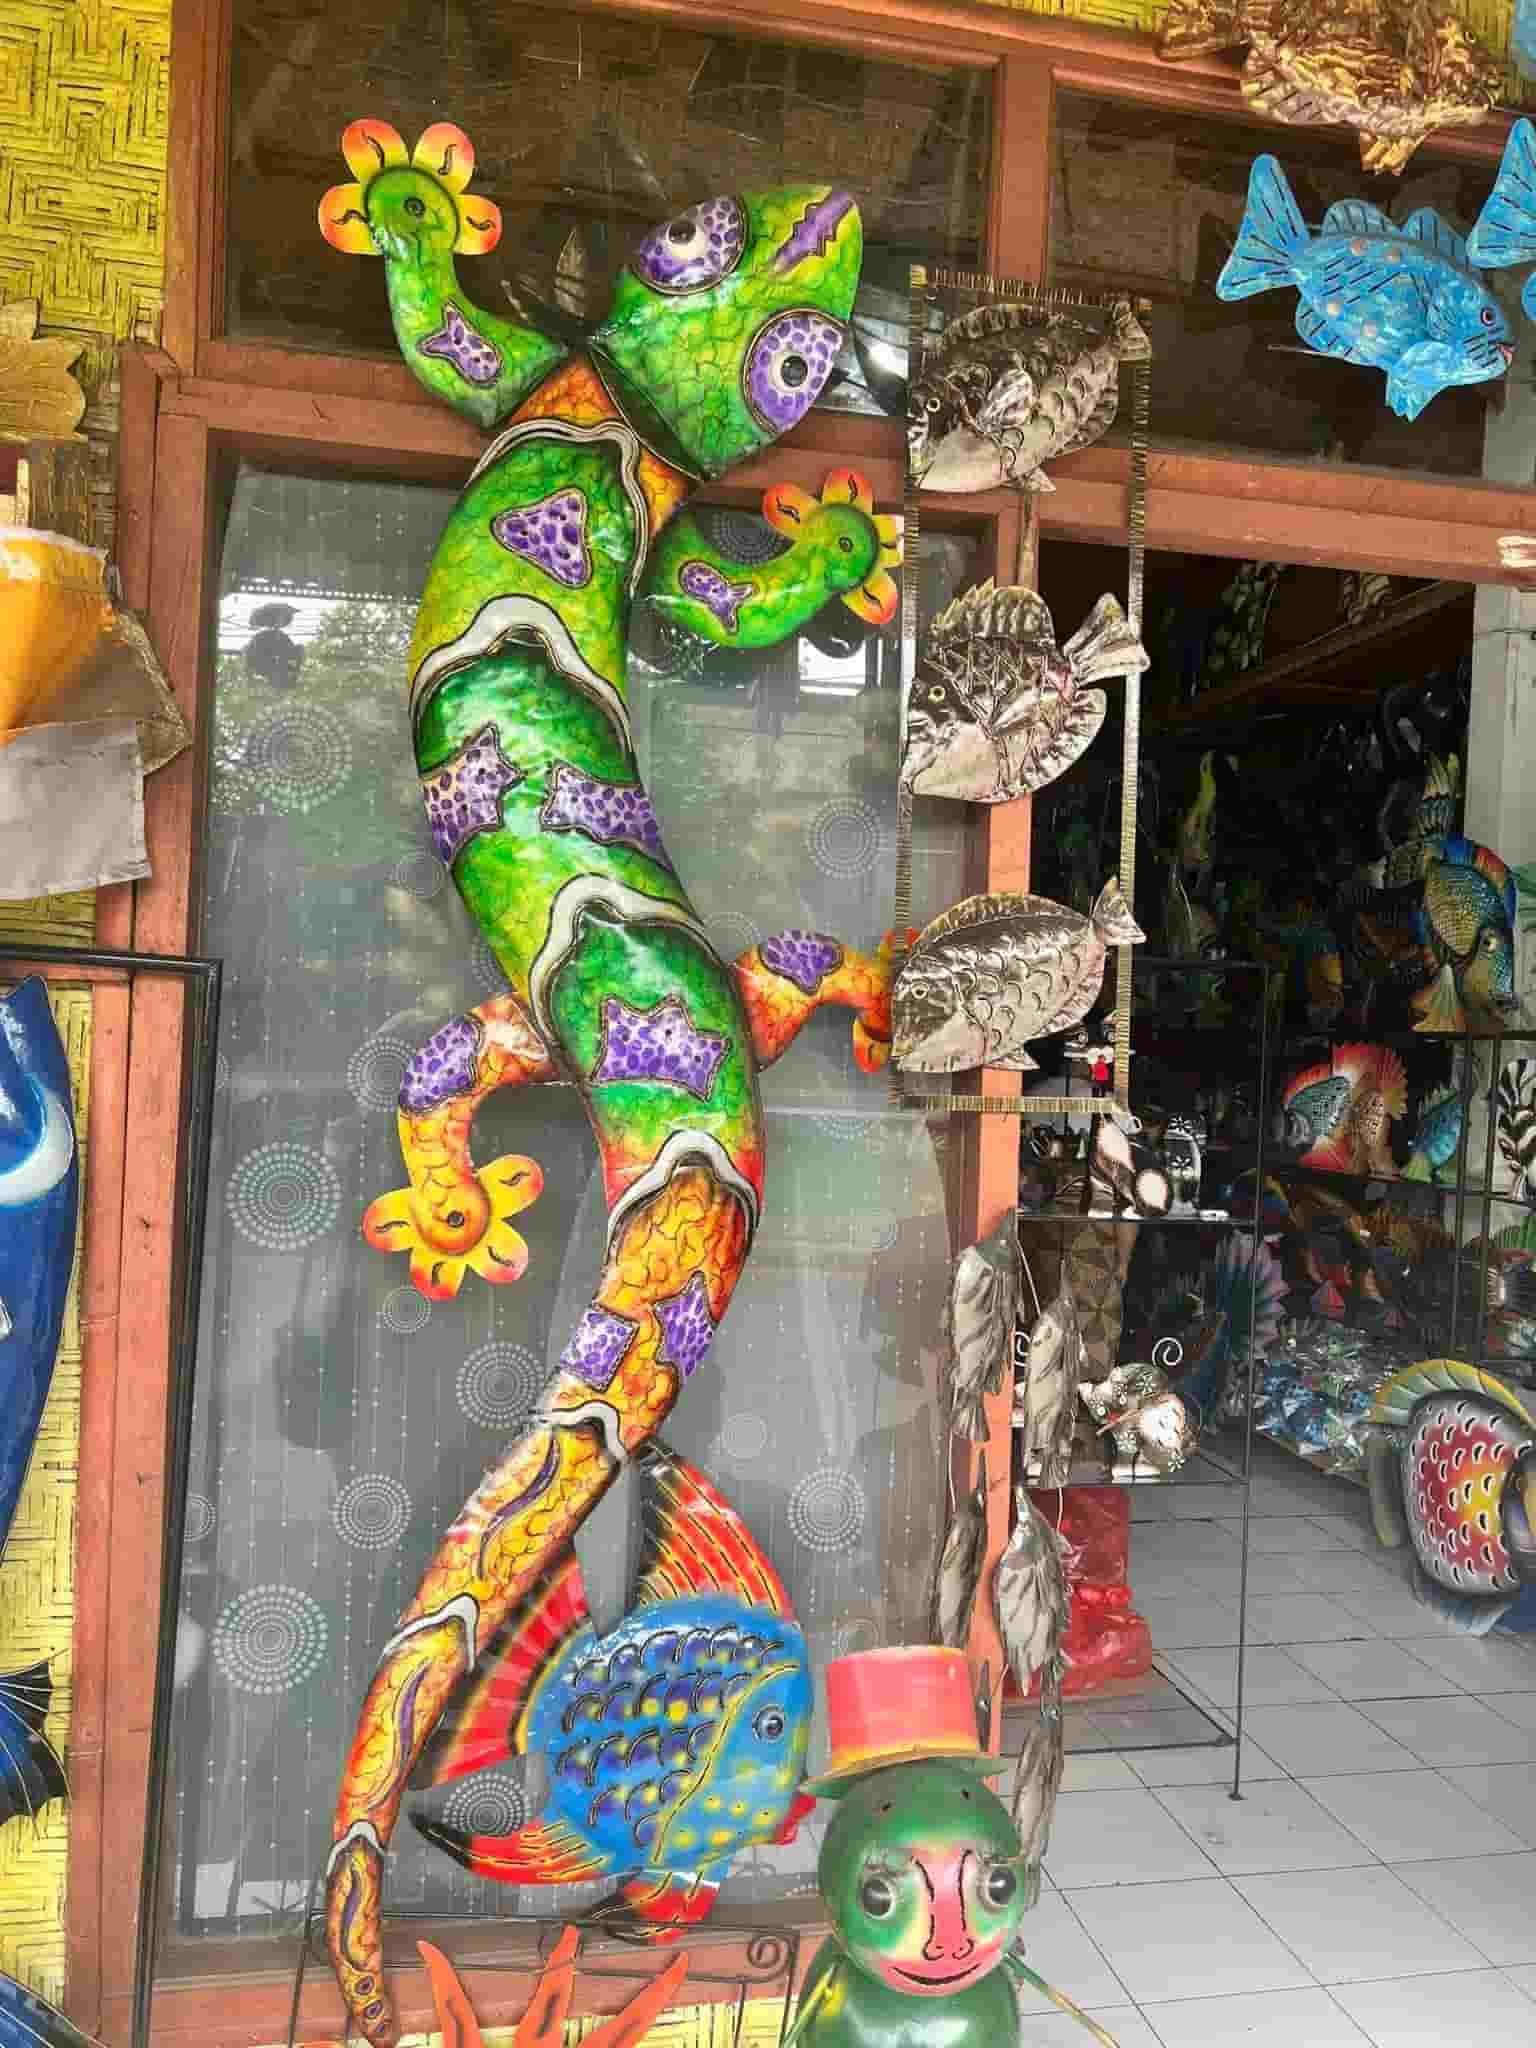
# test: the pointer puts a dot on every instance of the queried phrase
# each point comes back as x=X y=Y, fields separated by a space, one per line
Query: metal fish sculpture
x=958 y=1577
x=1399 y=299
x=1045 y=1402
x=1466 y=927
x=997 y=708
x=1458 y=1477
x=1505 y=231
x=1515 y=1124
x=1037 y=1779
x=983 y=1301
x=1029 y=1592
x=1437 y=1137
x=39 y=1204
x=1395 y=70
x=671 y=1744
x=1341 y=1110
x=1003 y=391
x=997 y=971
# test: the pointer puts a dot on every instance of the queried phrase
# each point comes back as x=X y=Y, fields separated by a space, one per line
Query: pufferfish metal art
x=997 y=708
x=997 y=971
x=1004 y=390
x=1394 y=70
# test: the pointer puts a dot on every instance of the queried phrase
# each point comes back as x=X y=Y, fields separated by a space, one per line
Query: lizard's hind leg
x=786 y=979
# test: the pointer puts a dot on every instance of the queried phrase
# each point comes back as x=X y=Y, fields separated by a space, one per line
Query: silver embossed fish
x=1045 y=1398
x=997 y=971
x=958 y=1578
x=1037 y=1779
x=1029 y=1591
x=997 y=708
x=1004 y=390
x=983 y=1300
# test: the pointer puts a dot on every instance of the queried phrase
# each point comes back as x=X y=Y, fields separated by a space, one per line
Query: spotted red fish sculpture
x=1341 y=1110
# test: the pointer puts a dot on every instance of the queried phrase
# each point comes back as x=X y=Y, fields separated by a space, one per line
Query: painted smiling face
x=920 y=1871
x=730 y=316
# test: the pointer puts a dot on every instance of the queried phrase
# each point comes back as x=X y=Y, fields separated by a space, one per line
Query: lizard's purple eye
x=696 y=250
x=789 y=363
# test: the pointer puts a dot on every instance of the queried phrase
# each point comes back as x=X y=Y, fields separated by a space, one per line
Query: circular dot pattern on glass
x=844 y=838
x=743 y=1438
x=419 y=874
x=405 y=1311
x=490 y=1806
x=297 y=757
x=371 y=1512
x=269 y=1639
x=731 y=934
x=848 y=1130
x=827 y=1510
x=284 y=1196
x=498 y=1383
x=199 y=1517
x=375 y=1071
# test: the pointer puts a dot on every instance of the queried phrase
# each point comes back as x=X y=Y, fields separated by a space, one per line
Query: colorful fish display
x=1504 y=234
x=995 y=972
x=1436 y=1137
x=1458 y=1476
x=723 y=329
x=1395 y=70
x=1399 y=299
x=39 y=1205
x=1339 y=1111
x=1004 y=389
x=997 y=709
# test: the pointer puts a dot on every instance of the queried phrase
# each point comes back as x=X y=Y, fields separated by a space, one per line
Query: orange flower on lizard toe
x=459 y=1227
x=444 y=153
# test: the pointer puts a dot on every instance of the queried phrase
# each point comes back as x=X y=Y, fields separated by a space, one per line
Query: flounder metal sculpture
x=998 y=709
x=995 y=972
x=1003 y=391
x=1402 y=299
x=1395 y=70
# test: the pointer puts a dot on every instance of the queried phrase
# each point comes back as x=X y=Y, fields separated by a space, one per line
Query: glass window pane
x=340 y=1419
x=1150 y=201
x=587 y=129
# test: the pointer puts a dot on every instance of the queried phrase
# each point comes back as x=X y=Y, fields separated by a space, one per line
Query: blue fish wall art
x=670 y=1744
x=1505 y=234
x=1400 y=299
x=39 y=1203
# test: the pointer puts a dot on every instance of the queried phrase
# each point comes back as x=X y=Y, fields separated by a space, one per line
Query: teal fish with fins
x=1397 y=298
x=1505 y=233
x=1436 y=1138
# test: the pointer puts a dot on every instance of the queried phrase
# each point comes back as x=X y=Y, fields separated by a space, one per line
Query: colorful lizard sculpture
x=723 y=330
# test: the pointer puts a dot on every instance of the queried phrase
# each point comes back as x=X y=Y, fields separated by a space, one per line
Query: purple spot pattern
x=463 y=796
x=552 y=535
x=805 y=958
x=443 y=1067
x=659 y=1044
x=687 y=1328
x=716 y=592
x=789 y=362
x=597 y=1346
x=612 y=813
x=477 y=360
x=814 y=230
x=698 y=248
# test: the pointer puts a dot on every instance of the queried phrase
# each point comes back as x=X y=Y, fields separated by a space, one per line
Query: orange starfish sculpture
x=543 y=2024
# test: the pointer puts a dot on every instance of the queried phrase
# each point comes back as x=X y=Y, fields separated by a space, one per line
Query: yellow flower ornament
x=374 y=151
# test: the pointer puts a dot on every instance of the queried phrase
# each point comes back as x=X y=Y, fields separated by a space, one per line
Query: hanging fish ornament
x=995 y=972
x=1515 y=1124
x=1045 y=1398
x=1394 y=70
x=1399 y=299
x=1340 y=1110
x=1037 y=1778
x=998 y=709
x=979 y=1316
x=671 y=1744
x=1003 y=390
x=1504 y=235
x=958 y=1577
x=1436 y=1138
x=1457 y=1476
x=1029 y=1592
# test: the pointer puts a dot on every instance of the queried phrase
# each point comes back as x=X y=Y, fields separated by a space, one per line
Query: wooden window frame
x=190 y=411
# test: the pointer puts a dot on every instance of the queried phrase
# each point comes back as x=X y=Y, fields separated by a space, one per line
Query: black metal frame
x=203 y=979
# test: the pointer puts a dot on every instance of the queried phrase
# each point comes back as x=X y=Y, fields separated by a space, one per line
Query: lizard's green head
x=727 y=320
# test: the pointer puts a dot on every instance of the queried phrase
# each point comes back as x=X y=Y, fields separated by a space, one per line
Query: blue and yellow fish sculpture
x=1465 y=925
x=1505 y=233
x=1436 y=1137
x=1400 y=299
x=1341 y=1110
x=670 y=1744
x=39 y=1201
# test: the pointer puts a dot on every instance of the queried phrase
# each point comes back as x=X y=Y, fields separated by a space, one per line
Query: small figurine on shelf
x=1123 y=1178
x=1144 y=1419
x=921 y=1871
x=1184 y=1140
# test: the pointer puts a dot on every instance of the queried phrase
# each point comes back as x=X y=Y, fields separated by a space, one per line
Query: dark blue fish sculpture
x=1400 y=299
x=27 y=2021
x=39 y=1200
x=1505 y=234
x=670 y=1744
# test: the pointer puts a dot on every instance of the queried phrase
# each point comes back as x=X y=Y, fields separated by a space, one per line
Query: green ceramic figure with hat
x=921 y=1871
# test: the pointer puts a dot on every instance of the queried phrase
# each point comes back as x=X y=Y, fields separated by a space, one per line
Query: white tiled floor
x=1377 y=1881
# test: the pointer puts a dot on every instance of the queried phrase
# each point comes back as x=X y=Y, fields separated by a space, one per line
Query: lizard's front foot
x=449 y=1221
